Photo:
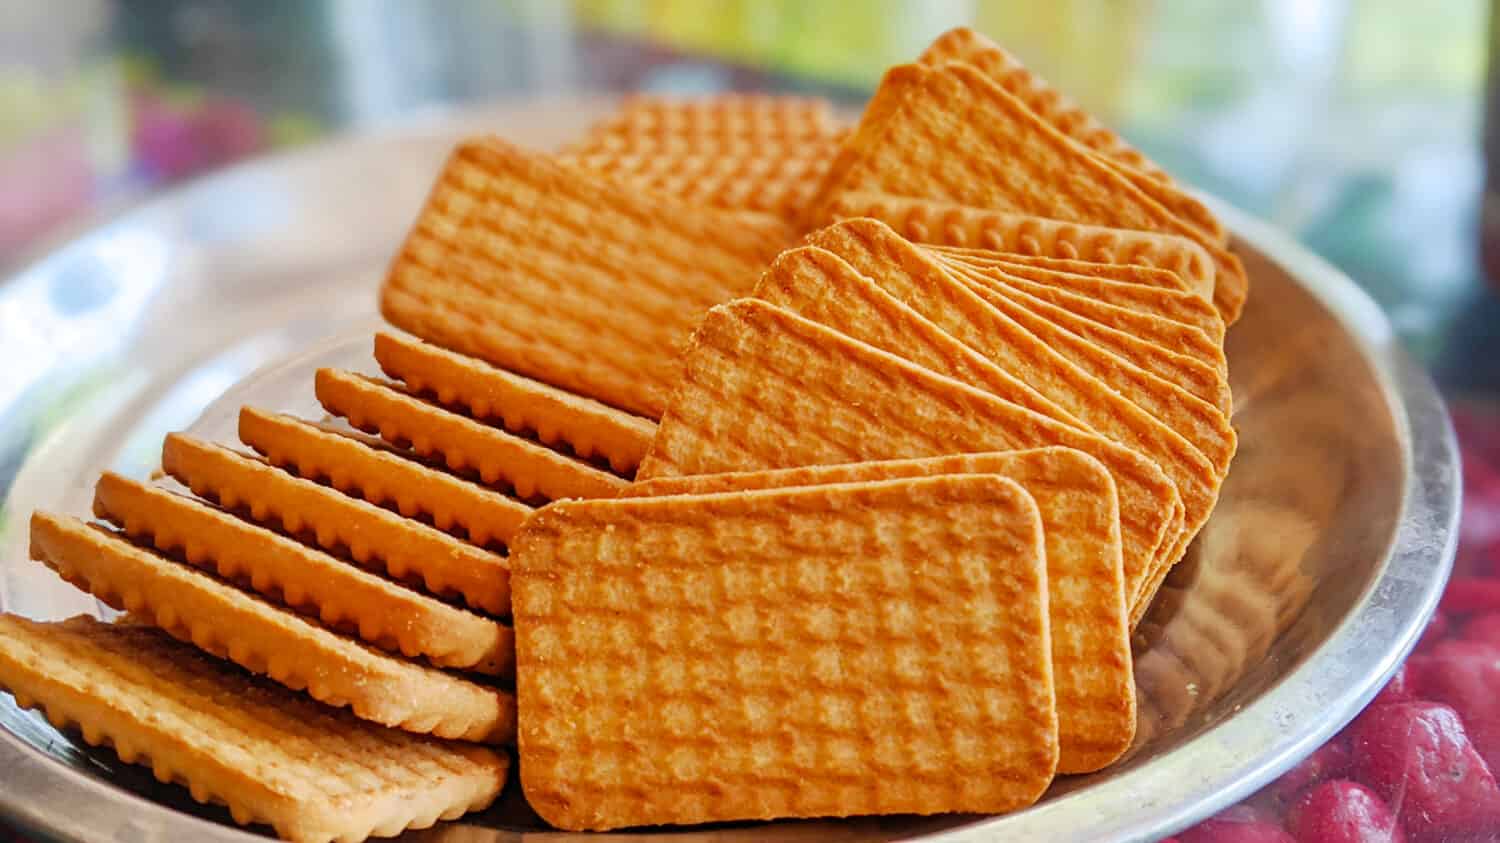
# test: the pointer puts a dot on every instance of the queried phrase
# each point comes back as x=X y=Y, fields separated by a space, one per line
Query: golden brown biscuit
x=949 y=224
x=368 y=470
x=966 y=45
x=264 y=639
x=766 y=388
x=496 y=457
x=271 y=756
x=1083 y=294
x=743 y=623
x=409 y=551
x=524 y=406
x=342 y=596
x=544 y=270
x=958 y=136
x=1075 y=497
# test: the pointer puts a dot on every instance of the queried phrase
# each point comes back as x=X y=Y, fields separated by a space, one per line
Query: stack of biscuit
x=852 y=455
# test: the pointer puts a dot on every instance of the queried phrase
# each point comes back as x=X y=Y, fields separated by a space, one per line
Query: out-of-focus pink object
x=48 y=180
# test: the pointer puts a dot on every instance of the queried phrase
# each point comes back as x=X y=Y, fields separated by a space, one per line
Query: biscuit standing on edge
x=344 y=597
x=269 y=755
x=551 y=272
x=371 y=470
x=522 y=405
x=954 y=225
x=1091 y=663
x=865 y=648
x=375 y=538
x=499 y=458
x=266 y=639
x=766 y=388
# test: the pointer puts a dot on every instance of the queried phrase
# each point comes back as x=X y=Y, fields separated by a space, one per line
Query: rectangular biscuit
x=948 y=224
x=914 y=277
x=1117 y=288
x=268 y=640
x=269 y=755
x=766 y=388
x=343 y=597
x=525 y=407
x=820 y=286
x=958 y=136
x=499 y=459
x=545 y=270
x=743 y=622
x=966 y=45
x=1091 y=663
x=368 y=470
x=406 y=550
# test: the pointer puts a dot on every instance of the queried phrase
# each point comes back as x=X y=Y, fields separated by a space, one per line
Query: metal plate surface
x=1314 y=577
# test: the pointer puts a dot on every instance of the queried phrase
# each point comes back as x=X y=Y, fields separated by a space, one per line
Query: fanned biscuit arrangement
x=849 y=456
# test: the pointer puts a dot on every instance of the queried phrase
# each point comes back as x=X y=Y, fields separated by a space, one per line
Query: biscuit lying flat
x=551 y=272
x=1075 y=497
x=707 y=124
x=271 y=756
x=522 y=405
x=778 y=181
x=377 y=539
x=342 y=596
x=268 y=640
x=937 y=223
x=742 y=623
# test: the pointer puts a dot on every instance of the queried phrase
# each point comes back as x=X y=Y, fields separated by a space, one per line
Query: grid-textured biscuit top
x=848 y=649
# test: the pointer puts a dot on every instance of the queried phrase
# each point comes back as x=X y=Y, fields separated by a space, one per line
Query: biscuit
x=264 y=639
x=958 y=136
x=777 y=182
x=766 y=388
x=966 y=45
x=550 y=272
x=909 y=276
x=382 y=477
x=269 y=755
x=342 y=596
x=498 y=458
x=1083 y=293
x=743 y=622
x=961 y=226
x=523 y=406
x=1091 y=664
x=1161 y=345
x=406 y=550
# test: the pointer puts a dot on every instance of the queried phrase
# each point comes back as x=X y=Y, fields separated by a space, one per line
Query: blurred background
x=1355 y=124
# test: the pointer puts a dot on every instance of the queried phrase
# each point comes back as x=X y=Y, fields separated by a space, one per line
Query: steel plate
x=1315 y=576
